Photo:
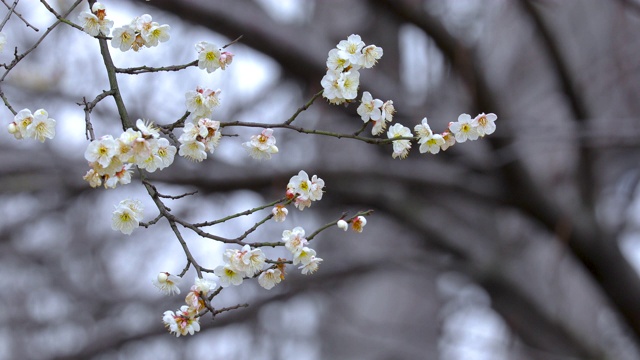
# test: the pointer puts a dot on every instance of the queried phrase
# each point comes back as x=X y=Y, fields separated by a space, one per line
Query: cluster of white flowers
x=304 y=190
x=262 y=146
x=377 y=111
x=198 y=138
x=140 y=32
x=296 y=243
x=211 y=58
x=37 y=125
x=186 y=320
x=95 y=22
x=201 y=102
x=460 y=131
x=127 y=216
x=467 y=128
x=200 y=133
x=3 y=41
x=342 y=79
x=181 y=322
x=110 y=159
x=357 y=224
x=239 y=264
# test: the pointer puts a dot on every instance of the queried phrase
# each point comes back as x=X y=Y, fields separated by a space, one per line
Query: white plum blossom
x=370 y=56
x=246 y=261
x=370 y=108
x=270 y=278
x=386 y=116
x=303 y=256
x=201 y=102
x=167 y=283
x=305 y=190
x=127 y=216
x=166 y=152
x=123 y=38
x=148 y=129
x=463 y=129
x=429 y=142
x=193 y=150
x=42 y=127
x=101 y=150
x=342 y=79
x=203 y=285
x=432 y=143
x=485 y=123
x=358 y=223
x=340 y=86
x=351 y=48
x=294 y=239
x=96 y=22
x=423 y=129
x=124 y=145
x=253 y=259
x=337 y=62
x=449 y=140
x=157 y=34
x=199 y=289
x=208 y=56
x=311 y=266
x=279 y=213
x=228 y=275
x=262 y=146
x=198 y=138
x=182 y=322
x=349 y=82
x=330 y=84
x=140 y=32
x=400 y=147
x=37 y=125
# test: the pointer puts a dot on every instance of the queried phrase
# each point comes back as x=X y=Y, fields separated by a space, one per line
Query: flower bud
x=343 y=225
x=162 y=277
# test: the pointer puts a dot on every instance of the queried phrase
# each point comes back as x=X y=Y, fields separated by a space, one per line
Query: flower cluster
x=140 y=32
x=181 y=322
x=201 y=102
x=127 y=216
x=342 y=79
x=460 y=131
x=186 y=320
x=110 y=159
x=467 y=128
x=199 y=138
x=377 y=111
x=211 y=58
x=95 y=22
x=357 y=224
x=261 y=146
x=239 y=264
x=296 y=243
x=304 y=190
x=37 y=125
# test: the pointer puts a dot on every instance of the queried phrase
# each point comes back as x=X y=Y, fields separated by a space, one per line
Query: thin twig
x=12 y=9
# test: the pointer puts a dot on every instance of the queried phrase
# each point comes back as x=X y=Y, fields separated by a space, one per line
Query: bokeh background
x=523 y=245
